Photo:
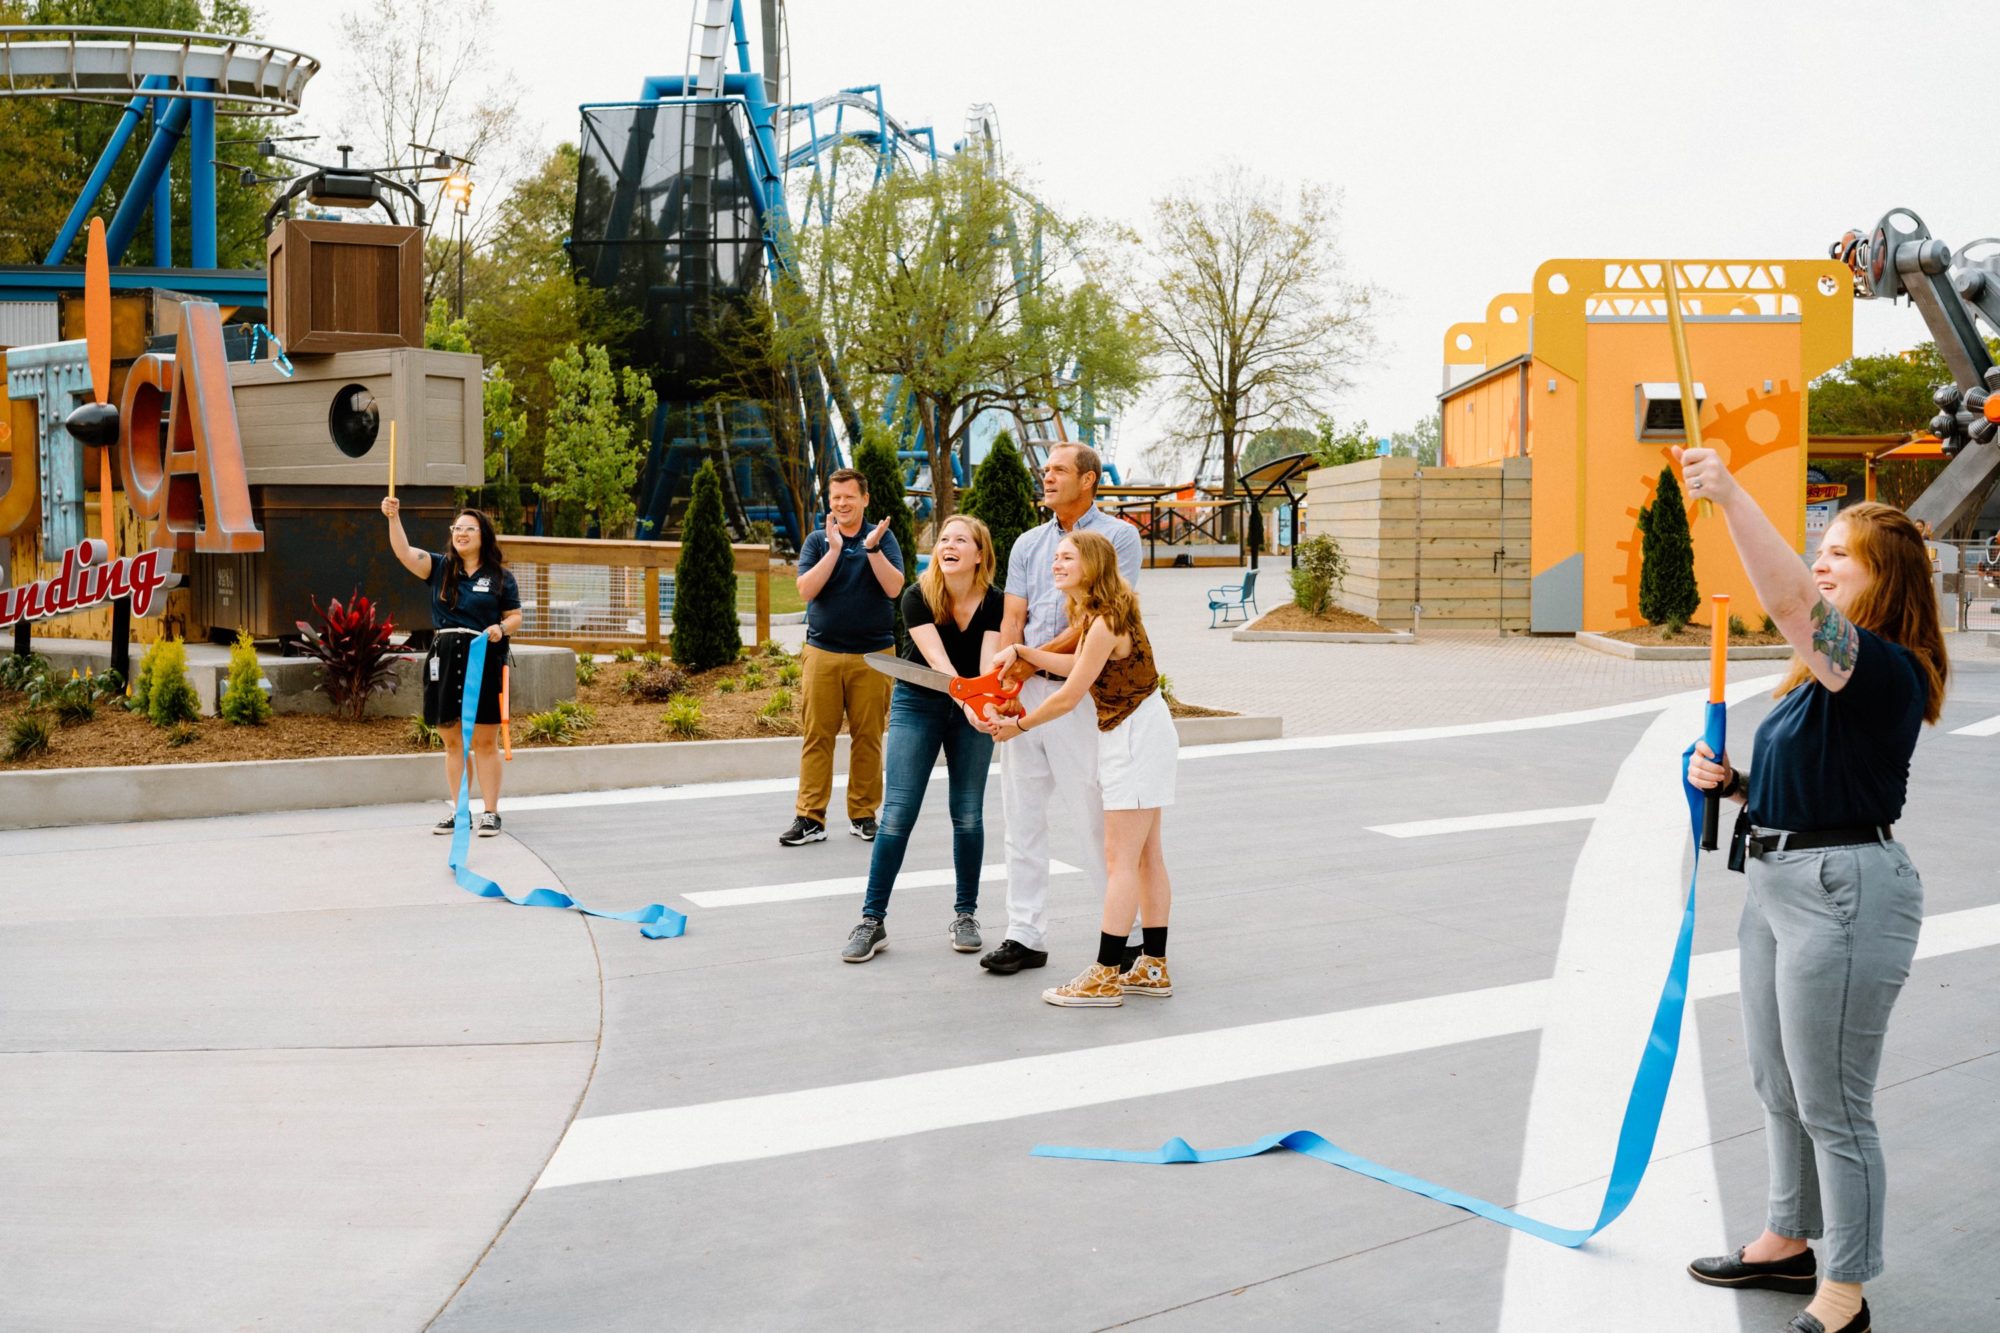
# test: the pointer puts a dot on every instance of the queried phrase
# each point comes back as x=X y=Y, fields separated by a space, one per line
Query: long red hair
x=1898 y=604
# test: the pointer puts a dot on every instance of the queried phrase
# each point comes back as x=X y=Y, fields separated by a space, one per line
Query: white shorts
x=1136 y=758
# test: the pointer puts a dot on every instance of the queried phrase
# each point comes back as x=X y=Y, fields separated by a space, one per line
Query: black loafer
x=1806 y=1323
x=1011 y=957
x=1798 y=1274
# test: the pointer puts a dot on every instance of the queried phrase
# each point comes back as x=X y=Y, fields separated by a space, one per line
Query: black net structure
x=667 y=223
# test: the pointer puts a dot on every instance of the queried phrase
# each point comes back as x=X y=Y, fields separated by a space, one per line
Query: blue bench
x=1240 y=598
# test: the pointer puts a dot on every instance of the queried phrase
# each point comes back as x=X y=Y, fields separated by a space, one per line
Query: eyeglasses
x=471 y=532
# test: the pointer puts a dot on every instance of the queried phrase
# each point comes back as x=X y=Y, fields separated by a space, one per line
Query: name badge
x=434 y=669
x=484 y=585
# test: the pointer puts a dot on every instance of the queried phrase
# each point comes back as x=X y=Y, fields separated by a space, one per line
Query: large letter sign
x=196 y=472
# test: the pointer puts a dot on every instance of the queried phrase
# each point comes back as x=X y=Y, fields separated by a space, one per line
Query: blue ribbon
x=656 y=921
x=1642 y=1106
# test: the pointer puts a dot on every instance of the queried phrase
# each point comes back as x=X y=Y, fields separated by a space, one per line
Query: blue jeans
x=922 y=722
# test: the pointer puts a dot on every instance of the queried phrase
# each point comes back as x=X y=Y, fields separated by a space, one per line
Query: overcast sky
x=1471 y=141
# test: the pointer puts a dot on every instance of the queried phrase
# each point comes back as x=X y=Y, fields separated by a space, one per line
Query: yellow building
x=1578 y=376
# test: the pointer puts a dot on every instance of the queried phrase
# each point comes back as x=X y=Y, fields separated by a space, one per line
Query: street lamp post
x=458 y=189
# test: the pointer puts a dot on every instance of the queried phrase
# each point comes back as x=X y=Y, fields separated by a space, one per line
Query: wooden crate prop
x=345 y=286
x=433 y=397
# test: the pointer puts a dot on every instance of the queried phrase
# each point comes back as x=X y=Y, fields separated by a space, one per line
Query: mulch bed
x=1691 y=636
x=117 y=738
x=1294 y=618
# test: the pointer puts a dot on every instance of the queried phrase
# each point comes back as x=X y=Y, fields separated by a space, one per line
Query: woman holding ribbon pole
x=953 y=612
x=1833 y=906
x=1112 y=667
x=471 y=594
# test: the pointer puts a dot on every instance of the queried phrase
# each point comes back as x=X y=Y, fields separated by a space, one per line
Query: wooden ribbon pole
x=1690 y=409
x=392 y=459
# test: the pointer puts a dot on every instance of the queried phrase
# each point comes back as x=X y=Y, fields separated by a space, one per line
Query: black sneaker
x=802 y=831
x=1011 y=957
x=487 y=825
x=864 y=941
x=863 y=829
x=445 y=826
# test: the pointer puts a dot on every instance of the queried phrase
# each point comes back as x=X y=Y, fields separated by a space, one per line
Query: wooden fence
x=1454 y=539
x=600 y=596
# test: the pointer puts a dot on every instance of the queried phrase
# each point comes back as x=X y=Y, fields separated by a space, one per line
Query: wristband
x=870 y=549
x=1735 y=785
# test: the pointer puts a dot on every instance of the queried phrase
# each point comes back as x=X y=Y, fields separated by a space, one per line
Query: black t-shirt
x=960 y=645
x=1836 y=760
x=483 y=598
x=851 y=613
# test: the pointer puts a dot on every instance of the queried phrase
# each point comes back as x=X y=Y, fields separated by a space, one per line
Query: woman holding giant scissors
x=471 y=594
x=1831 y=914
x=953 y=613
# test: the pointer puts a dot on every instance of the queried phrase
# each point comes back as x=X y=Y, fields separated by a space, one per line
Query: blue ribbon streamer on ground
x=1642 y=1106
x=655 y=921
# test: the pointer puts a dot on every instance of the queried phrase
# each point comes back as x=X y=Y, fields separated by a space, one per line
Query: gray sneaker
x=964 y=934
x=864 y=941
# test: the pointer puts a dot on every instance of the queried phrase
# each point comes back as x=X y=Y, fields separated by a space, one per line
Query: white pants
x=1055 y=762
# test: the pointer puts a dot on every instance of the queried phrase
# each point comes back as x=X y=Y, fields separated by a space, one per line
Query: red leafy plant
x=356 y=652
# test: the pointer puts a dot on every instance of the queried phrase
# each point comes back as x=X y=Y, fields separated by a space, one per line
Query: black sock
x=1156 y=940
x=1110 y=949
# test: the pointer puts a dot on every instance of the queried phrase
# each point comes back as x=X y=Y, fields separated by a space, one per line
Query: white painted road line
x=1984 y=727
x=851 y=884
x=1426 y=828
x=1626 y=898
x=682 y=1138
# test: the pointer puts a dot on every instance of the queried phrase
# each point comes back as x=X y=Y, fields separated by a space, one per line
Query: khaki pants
x=833 y=686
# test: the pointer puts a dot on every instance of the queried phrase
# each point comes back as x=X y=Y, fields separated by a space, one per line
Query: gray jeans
x=1827 y=938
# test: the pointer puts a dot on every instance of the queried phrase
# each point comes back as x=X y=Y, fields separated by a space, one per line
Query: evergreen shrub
x=1667 y=588
x=244 y=701
x=705 y=629
x=1004 y=497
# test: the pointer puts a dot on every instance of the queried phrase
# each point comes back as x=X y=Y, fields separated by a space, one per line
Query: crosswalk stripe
x=850 y=884
x=1989 y=726
x=682 y=1138
x=1424 y=828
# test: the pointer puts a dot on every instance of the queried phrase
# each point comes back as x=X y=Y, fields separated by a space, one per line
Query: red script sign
x=87 y=581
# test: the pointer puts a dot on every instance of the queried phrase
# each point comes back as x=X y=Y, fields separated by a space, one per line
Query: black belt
x=1762 y=842
x=1050 y=675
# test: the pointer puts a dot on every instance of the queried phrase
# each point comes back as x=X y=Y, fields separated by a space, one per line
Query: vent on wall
x=1658 y=410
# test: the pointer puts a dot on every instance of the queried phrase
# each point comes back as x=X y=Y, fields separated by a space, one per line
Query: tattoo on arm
x=1835 y=637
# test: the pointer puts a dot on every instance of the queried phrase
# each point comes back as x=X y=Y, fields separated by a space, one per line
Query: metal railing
x=600 y=596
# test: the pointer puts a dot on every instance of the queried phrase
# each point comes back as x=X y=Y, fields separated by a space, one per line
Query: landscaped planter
x=1646 y=652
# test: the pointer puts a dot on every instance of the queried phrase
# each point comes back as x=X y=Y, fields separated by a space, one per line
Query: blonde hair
x=1898 y=604
x=1102 y=593
x=936 y=595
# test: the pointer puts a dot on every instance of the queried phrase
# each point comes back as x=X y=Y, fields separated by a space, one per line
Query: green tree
x=956 y=285
x=1333 y=446
x=1667 y=589
x=595 y=442
x=1877 y=395
x=48 y=147
x=1275 y=443
x=1247 y=302
x=705 y=629
x=1423 y=441
x=523 y=306
x=1003 y=497
x=876 y=460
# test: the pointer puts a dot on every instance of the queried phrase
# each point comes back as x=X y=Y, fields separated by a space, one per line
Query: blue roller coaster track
x=682 y=202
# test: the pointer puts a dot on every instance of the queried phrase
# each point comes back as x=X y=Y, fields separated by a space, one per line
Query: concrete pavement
x=278 y=1071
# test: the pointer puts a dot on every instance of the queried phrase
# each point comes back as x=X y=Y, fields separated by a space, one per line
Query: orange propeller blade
x=97 y=311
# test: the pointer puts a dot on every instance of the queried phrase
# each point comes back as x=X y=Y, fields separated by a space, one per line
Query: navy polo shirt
x=851 y=614
x=1830 y=759
x=482 y=598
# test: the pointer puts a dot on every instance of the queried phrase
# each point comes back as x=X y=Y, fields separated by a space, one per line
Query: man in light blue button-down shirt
x=1058 y=759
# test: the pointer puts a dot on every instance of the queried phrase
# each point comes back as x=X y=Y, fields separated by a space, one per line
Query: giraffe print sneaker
x=1096 y=988
x=1147 y=977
